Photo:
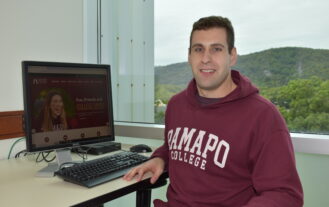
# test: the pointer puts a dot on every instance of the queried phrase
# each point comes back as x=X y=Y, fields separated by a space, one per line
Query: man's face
x=211 y=61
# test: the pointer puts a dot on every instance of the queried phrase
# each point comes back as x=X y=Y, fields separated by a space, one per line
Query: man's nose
x=206 y=57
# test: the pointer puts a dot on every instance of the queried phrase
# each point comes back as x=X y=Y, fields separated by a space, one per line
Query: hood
x=244 y=89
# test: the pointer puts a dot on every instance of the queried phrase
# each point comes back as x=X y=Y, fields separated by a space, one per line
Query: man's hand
x=155 y=165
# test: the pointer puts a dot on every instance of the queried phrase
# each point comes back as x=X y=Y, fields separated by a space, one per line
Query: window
x=282 y=47
x=120 y=33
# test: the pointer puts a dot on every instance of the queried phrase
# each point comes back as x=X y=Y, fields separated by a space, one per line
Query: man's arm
x=274 y=174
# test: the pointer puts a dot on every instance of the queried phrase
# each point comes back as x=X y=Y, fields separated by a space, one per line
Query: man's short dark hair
x=215 y=22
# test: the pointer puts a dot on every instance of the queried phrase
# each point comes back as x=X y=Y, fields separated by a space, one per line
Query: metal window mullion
x=99 y=31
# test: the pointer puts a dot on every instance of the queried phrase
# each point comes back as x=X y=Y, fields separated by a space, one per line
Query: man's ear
x=234 y=56
x=189 y=56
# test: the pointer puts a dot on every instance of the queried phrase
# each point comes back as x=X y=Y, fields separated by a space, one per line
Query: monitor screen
x=66 y=104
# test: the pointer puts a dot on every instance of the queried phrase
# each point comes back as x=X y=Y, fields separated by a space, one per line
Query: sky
x=258 y=24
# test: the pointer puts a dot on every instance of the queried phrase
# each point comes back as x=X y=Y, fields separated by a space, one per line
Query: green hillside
x=295 y=79
x=275 y=67
x=173 y=74
x=271 y=68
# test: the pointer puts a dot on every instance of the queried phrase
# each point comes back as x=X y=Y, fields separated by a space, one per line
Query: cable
x=12 y=146
x=83 y=153
x=44 y=157
x=36 y=160
x=19 y=153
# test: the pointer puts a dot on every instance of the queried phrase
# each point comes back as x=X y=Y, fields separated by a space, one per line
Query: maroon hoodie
x=236 y=152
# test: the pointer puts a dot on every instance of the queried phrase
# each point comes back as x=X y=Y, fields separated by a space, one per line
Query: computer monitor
x=66 y=105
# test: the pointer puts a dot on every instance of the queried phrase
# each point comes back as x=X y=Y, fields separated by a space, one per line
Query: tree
x=304 y=103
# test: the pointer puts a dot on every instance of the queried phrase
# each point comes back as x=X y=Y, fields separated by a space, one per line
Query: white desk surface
x=20 y=187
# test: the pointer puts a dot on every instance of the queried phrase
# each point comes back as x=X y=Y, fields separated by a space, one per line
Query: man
x=225 y=145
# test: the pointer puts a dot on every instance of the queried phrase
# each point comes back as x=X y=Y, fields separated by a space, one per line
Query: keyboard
x=101 y=170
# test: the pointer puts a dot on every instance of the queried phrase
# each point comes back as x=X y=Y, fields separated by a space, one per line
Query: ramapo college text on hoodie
x=233 y=153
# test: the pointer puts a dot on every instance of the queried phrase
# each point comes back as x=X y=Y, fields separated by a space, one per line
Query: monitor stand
x=62 y=156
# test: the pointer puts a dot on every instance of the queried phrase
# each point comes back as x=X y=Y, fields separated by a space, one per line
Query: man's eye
x=198 y=49
x=217 y=49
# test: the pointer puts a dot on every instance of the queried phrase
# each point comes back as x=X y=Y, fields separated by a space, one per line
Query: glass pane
x=283 y=49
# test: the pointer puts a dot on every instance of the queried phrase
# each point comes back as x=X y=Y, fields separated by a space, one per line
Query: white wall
x=36 y=30
x=48 y=30
x=64 y=30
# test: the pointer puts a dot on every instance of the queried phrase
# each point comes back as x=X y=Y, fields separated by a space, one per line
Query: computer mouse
x=140 y=148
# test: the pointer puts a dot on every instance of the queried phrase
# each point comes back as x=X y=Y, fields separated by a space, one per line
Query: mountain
x=271 y=68
x=173 y=74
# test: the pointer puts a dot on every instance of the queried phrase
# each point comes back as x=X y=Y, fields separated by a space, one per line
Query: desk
x=20 y=187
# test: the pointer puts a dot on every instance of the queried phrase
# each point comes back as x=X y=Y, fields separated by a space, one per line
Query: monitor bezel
x=28 y=108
